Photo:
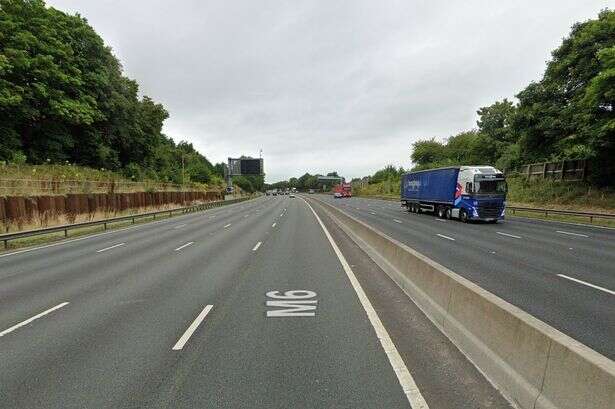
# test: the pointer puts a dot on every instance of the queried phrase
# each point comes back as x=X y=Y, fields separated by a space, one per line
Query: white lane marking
x=372 y=213
x=397 y=221
x=282 y=215
x=211 y=217
x=508 y=235
x=606 y=290
x=179 y=226
x=445 y=237
x=197 y=321
x=227 y=225
x=440 y=220
x=572 y=234
x=91 y=236
x=246 y=215
x=29 y=320
x=273 y=225
x=110 y=247
x=190 y=243
x=257 y=246
x=411 y=390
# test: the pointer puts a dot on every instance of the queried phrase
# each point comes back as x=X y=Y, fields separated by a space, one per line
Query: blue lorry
x=463 y=192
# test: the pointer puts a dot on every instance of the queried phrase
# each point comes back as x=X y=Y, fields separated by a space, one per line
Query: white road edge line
x=411 y=390
x=197 y=321
x=445 y=237
x=606 y=290
x=273 y=225
x=110 y=247
x=190 y=243
x=572 y=234
x=397 y=221
x=257 y=246
x=29 y=320
x=508 y=235
x=227 y=225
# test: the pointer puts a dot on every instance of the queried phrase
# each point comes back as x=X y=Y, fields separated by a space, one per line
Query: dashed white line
x=179 y=226
x=572 y=234
x=440 y=220
x=227 y=225
x=508 y=235
x=197 y=321
x=606 y=290
x=257 y=246
x=397 y=221
x=273 y=225
x=408 y=385
x=445 y=237
x=372 y=213
x=29 y=320
x=246 y=216
x=190 y=243
x=110 y=247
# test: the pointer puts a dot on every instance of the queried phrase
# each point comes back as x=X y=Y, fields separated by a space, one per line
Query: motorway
x=563 y=274
x=256 y=304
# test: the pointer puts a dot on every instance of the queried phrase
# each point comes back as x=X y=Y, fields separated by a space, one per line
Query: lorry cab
x=480 y=195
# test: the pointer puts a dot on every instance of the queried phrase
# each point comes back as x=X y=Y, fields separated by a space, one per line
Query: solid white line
x=184 y=338
x=257 y=246
x=446 y=237
x=273 y=225
x=572 y=234
x=190 y=243
x=228 y=225
x=372 y=213
x=411 y=390
x=606 y=290
x=508 y=235
x=29 y=320
x=179 y=226
x=397 y=221
x=111 y=247
x=440 y=220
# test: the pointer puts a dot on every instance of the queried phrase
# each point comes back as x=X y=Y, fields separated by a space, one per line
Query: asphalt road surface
x=563 y=274
x=245 y=306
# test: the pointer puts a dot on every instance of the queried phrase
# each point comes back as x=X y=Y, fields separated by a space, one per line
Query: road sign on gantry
x=245 y=166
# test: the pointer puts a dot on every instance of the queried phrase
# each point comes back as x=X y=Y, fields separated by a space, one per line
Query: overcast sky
x=328 y=85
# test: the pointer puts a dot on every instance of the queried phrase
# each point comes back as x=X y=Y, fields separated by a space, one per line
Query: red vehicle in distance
x=342 y=190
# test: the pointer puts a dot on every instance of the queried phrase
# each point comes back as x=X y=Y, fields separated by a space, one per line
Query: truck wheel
x=463 y=215
x=441 y=212
x=448 y=214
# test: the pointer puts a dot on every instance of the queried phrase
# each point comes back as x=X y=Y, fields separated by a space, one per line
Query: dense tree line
x=302 y=183
x=568 y=114
x=63 y=98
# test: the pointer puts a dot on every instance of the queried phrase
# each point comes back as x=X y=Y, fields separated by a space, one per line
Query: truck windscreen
x=490 y=187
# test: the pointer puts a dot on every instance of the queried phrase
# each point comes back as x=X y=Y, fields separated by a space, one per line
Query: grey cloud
x=328 y=85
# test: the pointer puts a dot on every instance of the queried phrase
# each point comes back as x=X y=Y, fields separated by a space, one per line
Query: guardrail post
x=591 y=219
x=133 y=220
x=6 y=244
x=65 y=232
x=105 y=225
x=546 y=213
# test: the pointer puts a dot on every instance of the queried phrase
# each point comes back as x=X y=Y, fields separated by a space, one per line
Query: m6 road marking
x=294 y=303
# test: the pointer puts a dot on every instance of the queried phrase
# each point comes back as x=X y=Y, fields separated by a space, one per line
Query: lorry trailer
x=462 y=192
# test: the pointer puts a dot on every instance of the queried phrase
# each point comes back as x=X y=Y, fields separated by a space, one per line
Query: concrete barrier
x=534 y=365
